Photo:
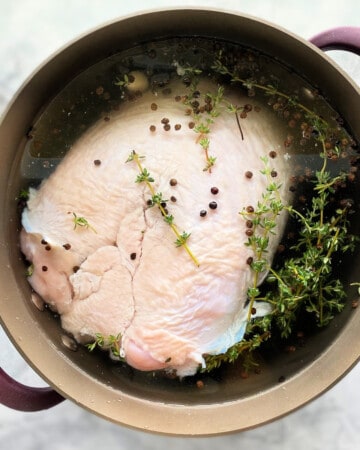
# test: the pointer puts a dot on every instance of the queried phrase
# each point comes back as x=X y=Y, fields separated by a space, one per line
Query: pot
x=227 y=403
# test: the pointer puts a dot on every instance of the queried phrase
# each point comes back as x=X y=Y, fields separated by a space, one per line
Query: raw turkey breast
x=122 y=274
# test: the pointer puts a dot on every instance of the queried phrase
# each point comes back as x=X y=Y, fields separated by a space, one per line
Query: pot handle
x=25 y=398
x=341 y=38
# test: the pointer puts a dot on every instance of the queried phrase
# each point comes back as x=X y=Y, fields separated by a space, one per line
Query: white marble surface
x=29 y=32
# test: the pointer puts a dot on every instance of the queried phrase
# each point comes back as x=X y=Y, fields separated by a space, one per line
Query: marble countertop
x=29 y=32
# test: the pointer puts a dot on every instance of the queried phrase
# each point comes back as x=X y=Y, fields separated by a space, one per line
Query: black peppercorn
x=212 y=205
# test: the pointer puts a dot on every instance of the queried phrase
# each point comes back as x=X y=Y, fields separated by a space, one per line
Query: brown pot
x=224 y=404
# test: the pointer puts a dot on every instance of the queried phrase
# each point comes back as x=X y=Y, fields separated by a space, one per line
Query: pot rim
x=168 y=418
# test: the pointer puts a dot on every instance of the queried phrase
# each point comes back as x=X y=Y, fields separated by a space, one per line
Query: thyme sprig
x=263 y=220
x=158 y=200
x=111 y=342
x=270 y=90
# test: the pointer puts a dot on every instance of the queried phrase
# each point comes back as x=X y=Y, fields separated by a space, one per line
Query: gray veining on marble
x=29 y=32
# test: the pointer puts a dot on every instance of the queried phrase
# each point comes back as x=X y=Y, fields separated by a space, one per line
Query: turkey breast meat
x=123 y=275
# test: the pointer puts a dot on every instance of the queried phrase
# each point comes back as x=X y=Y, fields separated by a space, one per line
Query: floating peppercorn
x=214 y=190
x=249 y=223
x=173 y=182
x=153 y=106
x=43 y=242
x=67 y=246
x=273 y=173
x=203 y=213
x=167 y=127
x=132 y=256
x=191 y=125
x=165 y=120
x=250 y=209
x=44 y=268
x=249 y=232
x=152 y=128
x=97 y=162
x=48 y=248
x=173 y=199
x=213 y=205
x=248 y=174
x=199 y=384
x=177 y=127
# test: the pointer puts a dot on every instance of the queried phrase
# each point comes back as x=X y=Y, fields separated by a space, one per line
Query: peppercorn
x=248 y=174
x=177 y=127
x=214 y=190
x=97 y=162
x=250 y=209
x=44 y=268
x=153 y=106
x=250 y=260
x=165 y=120
x=48 y=247
x=272 y=154
x=203 y=213
x=152 y=128
x=132 y=256
x=173 y=199
x=212 y=205
x=199 y=384
x=173 y=182
x=67 y=246
x=249 y=232
x=167 y=127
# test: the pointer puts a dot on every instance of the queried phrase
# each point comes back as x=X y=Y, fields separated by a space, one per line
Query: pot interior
x=226 y=401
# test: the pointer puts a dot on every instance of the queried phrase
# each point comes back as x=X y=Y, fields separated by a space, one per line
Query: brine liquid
x=309 y=125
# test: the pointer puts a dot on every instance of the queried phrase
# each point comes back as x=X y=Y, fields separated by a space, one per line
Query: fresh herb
x=314 y=125
x=30 y=270
x=81 y=222
x=305 y=281
x=263 y=219
x=24 y=195
x=106 y=342
x=204 y=116
x=158 y=200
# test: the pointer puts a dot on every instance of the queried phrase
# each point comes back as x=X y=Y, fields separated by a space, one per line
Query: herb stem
x=181 y=237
